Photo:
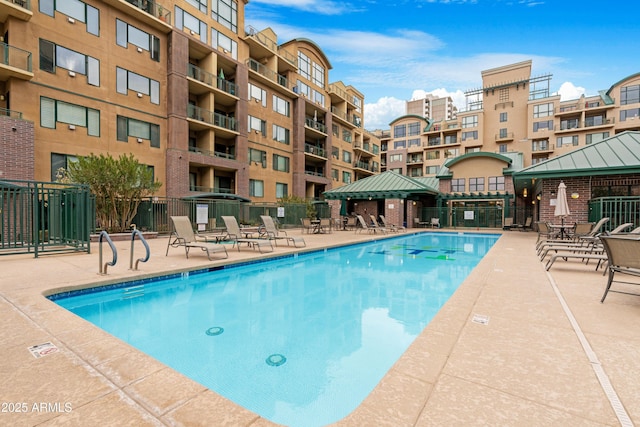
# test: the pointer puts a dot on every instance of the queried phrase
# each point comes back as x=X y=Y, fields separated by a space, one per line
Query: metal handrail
x=146 y=245
x=104 y=234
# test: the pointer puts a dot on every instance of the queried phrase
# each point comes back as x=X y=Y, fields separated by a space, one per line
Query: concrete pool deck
x=515 y=345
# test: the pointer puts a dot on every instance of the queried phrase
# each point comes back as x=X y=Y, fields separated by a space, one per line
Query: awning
x=219 y=196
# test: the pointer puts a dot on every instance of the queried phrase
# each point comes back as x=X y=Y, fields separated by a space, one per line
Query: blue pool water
x=300 y=340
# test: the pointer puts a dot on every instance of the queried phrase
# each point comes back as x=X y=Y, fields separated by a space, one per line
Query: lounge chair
x=377 y=227
x=235 y=235
x=392 y=227
x=527 y=224
x=623 y=254
x=544 y=231
x=274 y=234
x=582 y=239
x=183 y=235
x=362 y=225
x=508 y=224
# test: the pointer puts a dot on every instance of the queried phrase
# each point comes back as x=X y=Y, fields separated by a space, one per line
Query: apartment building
x=432 y=107
x=215 y=107
x=512 y=112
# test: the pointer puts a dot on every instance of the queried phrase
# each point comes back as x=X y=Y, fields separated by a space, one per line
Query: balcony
x=338 y=95
x=148 y=11
x=201 y=81
x=364 y=166
x=315 y=150
x=310 y=123
x=209 y=153
x=542 y=148
x=15 y=62
x=261 y=46
x=504 y=137
x=201 y=119
x=20 y=9
x=272 y=78
x=598 y=121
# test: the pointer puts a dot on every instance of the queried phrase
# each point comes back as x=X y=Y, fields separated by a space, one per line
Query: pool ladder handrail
x=105 y=235
x=135 y=233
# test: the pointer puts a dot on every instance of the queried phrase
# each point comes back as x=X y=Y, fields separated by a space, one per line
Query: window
x=496 y=183
x=258 y=156
x=450 y=139
x=220 y=41
x=457 y=185
x=60 y=164
x=470 y=135
x=414 y=142
x=346 y=177
x=127 y=127
x=186 y=21
x=126 y=34
x=542 y=110
x=547 y=124
x=433 y=141
x=503 y=117
x=281 y=106
x=335 y=174
x=257 y=125
x=280 y=163
x=432 y=155
x=395 y=158
x=472 y=150
x=595 y=121
x=540 y=145
x=414 y=128
x=52 y=56
x=470 y=121
x=335 y=153
x=502 y=148
x=503 y=94
x=476 y=184
x=451 y=152
x=318 y=75
x=629 y=94
x=335 y=130
x=128 y=80
x=225 y=12
x=399 y=131
x=629 y=114
x=256 y=188
x=75 y=9
x=346 y=156
x=282 y=190
x=432 y=170
x=503 y=133
x=317 y=97
x=346 y=135
x=566 y=141
x=281 y=134
x=400 y=144
x=569 y=124
x=596 y=137
x=304 y=65
x=53 y=111
x=201 y=5
x=258 y=94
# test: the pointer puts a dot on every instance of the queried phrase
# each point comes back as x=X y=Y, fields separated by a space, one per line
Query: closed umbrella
x=562 y=206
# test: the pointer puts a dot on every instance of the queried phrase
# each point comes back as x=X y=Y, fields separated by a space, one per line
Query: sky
x=393 y=51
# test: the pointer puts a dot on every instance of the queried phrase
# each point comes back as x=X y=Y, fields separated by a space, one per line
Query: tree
x=118 y=186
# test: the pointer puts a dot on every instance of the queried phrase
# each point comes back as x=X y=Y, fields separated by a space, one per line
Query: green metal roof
x=387 y=185
x=619 y=154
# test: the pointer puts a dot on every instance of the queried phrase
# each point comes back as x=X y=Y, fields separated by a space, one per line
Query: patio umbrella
x=343 y=208
x=562 y=206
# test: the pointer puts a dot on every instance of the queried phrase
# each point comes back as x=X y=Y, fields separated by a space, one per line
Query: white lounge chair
x=394 y=228
x=183 y=235
x=235 y=235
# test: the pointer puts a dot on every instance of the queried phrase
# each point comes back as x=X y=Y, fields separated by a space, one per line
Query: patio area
x=515 y=345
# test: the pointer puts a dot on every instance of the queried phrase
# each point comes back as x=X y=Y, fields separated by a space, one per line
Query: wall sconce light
x=1 y=97
x=369 y=197
x=538 y=197
x=553 y=193
x=574 y=195
x=348 y=198
x=414 y=203
x=524 y=193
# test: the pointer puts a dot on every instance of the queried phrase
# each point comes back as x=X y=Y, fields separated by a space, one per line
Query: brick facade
x=17 y=154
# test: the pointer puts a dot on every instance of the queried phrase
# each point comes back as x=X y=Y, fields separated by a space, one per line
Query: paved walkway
x=514 y=346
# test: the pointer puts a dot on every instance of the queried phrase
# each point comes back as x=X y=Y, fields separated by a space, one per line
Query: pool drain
x=276 y=360
x=215 y=330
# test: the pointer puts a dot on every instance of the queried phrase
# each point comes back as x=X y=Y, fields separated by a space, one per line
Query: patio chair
x=362 y=225
x=544 y=231
x=590 y=244
x=435 y=223
x=351 y=224
x=377 y=227
x=235 y=235
x=582 y=239
x=306 y=225
x=418 y=223
x=183 y=235
x=325 y=225
x=623 y=254
x=527 y=224
x=273 y=233
x=392 y=227
x=508 y=224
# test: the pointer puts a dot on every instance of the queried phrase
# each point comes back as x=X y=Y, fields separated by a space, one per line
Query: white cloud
x=569 y=91
x=314 y=6
x=379 y=114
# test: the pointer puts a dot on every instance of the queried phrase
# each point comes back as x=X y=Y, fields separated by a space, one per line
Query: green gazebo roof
x=387 y=185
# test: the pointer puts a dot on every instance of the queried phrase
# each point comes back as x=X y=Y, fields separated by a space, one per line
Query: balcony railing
x=366 y=166
x=153 y=8
x=341 y=93
x=15 y=57
x=10 y=113
x=313 y=149
x=211 y=117
x=208 y=78
x=210 y=153
x=264 y=71
x=211 y=189
x=314 y=124
x=260 y=37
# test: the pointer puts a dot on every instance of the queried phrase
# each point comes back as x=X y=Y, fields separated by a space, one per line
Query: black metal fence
x=44 y=217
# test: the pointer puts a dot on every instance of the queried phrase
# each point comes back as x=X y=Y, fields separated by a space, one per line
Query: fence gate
x=44 y=217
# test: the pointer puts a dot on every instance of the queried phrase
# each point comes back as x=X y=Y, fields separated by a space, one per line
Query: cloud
x=569 y=91
x=313 y=6
x=382 y=112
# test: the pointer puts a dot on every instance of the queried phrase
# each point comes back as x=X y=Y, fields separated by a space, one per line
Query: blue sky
x=394 y=51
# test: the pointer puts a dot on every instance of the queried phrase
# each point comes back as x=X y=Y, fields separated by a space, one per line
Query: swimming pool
x=300 y=340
